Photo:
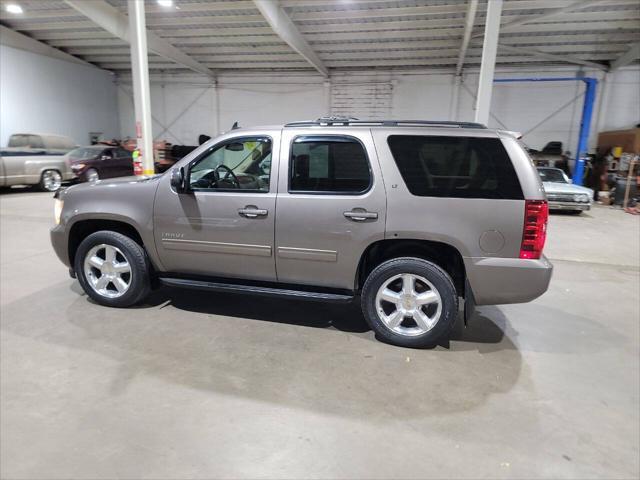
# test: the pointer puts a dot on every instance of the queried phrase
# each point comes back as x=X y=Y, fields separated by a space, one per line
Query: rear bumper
x=582 y=207
x=496 y=281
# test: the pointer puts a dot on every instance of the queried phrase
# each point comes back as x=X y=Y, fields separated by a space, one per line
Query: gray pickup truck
x=407 y=216
x=36 y=159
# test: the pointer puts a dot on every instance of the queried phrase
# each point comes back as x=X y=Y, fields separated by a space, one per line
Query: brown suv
x=407 y=215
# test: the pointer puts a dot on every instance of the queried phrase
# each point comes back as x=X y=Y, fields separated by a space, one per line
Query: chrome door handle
x=252 y=212
x=360 y=216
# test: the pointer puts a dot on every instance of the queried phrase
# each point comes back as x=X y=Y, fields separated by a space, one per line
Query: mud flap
x=469 y=302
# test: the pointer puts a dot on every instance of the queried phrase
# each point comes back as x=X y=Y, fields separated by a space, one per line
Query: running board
x=254 y=290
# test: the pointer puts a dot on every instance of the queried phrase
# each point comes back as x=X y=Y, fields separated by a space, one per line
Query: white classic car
x=562 y=194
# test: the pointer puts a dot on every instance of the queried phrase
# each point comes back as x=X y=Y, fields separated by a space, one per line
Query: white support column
x=327 y=97
x=603 y=104
x=455 y=96
x=141 y=94
x=488 y=65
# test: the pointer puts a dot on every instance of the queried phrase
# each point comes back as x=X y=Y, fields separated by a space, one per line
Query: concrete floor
x=196 y=385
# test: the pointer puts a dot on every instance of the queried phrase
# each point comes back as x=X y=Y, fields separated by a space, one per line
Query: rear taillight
x=536 y=214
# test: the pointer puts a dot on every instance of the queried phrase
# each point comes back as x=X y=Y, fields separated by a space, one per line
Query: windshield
x=84 y=153
x=552 y=175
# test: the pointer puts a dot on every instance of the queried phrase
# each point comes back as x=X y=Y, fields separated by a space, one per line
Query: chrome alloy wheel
x=107 y=270
x=51 y=180
x=408 y=304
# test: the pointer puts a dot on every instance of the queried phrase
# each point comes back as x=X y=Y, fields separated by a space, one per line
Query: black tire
x=134 y=254
x=440 y=280
x=91 y=175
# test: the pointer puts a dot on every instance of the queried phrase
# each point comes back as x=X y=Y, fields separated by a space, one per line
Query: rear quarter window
x=456 y=167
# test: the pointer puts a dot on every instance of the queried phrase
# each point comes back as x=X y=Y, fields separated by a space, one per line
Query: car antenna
x=235 y=126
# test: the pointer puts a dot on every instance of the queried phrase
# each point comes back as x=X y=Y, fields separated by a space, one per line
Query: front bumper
x=577 y=206
x=59 y=242
x=496 y=281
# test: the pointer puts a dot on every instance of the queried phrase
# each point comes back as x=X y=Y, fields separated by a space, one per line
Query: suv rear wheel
x=112 y=269
x=410 y=302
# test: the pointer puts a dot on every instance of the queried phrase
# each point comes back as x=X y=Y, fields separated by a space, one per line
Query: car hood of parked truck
x=557 y=187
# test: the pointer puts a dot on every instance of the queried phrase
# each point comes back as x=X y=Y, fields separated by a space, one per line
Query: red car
x=100 y=161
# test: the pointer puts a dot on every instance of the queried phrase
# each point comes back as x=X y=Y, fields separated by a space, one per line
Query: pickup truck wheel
x=112 y=269
x=50 y=181
x=410 y=302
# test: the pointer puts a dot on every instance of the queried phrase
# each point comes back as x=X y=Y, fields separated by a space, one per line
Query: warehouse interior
x=195 y=384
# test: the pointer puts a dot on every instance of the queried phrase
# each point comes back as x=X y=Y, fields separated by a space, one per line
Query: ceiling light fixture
x=165 y=3
x=13 y=8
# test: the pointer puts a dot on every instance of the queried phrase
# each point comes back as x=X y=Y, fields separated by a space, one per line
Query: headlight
x=77 y=166
x=57 y=210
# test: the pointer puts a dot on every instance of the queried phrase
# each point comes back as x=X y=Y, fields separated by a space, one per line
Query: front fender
x=128 y=201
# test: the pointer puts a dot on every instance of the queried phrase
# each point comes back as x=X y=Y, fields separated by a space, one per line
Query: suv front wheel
x=410 y=302
x=112 y=269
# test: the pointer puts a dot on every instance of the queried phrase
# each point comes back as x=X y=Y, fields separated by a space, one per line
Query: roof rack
x=342 y=121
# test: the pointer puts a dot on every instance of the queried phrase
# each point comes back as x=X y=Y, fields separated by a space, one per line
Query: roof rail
x=342 y=121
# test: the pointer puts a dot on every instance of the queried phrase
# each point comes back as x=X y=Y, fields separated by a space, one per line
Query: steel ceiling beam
x=14 y=39
x=552 y=56
x=284 y=27
x=552 y=12
x=116 y=23
x=626 y=58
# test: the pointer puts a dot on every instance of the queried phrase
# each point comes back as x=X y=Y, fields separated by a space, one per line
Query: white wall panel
x=271 y=104
x=191 y=110
x=46 y=95
x=408 y=95
x=624 y=100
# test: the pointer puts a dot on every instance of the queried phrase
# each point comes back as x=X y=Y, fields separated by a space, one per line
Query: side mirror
x=178 y=180
x=105 y=157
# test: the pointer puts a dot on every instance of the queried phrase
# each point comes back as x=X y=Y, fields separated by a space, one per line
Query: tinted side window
x=460 y=167
x=328 y=164
x=121 y=152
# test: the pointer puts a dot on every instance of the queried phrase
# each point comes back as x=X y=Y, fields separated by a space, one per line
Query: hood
x=112 y=183
x=552 y=187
